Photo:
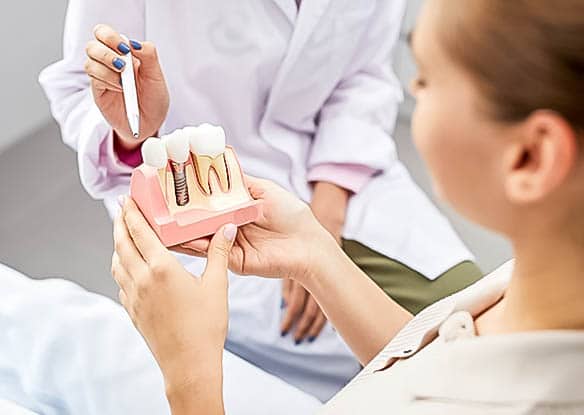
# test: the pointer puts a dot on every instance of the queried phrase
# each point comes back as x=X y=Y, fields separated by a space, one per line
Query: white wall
x=31 y=33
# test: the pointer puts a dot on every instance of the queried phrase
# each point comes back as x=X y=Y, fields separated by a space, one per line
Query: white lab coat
x=293 y=92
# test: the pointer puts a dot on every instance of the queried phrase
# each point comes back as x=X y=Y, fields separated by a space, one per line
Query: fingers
x=100 y=53
x=110 y=38
x=125 y=249
x=145 y=240
x=295 y=307
x=218 y=254
x=105 y=58
x=187 y=251
x=121 y=276
x=311 y=311
x=317 y=326
x=146 y=52
x=199 y=245
x=100 y=85
x=256 y=187
x=100 y=72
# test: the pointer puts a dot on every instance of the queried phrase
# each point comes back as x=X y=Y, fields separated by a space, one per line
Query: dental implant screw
x=180 y=183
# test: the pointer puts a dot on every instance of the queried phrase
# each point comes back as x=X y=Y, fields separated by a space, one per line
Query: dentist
x=306 y=95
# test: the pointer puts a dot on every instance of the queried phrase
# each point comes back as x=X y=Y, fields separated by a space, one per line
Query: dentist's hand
x=104 y=66
x=286 y=242
x=182 y=318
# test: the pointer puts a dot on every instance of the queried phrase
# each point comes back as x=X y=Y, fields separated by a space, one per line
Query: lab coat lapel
x=311 y=11
x=288 y=8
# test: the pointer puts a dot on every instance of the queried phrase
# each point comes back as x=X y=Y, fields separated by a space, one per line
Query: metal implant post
x=181 y=190
x=177 y=146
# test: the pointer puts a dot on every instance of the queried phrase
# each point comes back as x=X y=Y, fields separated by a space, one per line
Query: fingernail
x=311 y=339
x=284 y=333
x=135 y=44
x=229 y=232
x=118 y=63
x=121 y=200
x=125 y=49
x=283 y=304
x=297 y=342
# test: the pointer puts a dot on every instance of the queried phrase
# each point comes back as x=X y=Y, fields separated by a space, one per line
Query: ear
x=542 y=157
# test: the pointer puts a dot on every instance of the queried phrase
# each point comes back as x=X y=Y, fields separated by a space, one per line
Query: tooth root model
x=207 y=143
x=177 y=146
x=154 y=154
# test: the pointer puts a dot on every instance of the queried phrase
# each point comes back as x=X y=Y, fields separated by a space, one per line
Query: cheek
x=446 y=144
x=434 y=140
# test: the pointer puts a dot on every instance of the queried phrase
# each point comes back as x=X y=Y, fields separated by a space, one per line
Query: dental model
x=177 y=147
x=191 y=184
x=207 y=143
x=154 y=154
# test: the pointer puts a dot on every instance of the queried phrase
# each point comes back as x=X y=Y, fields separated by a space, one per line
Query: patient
x=500 y=123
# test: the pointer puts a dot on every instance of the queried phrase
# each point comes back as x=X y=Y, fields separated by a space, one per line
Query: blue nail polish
x=311 y=339
x=283 y=303
x=136 y=45
x=118 y=63
x=284 y=333
x=125 y=49
x=297 y=342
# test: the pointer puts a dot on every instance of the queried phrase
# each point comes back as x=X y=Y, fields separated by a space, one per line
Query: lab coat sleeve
x=356 y=121
x=67 y=87
x=351 y=177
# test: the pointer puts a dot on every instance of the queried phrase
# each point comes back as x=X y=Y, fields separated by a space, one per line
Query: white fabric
x=66 y=351
x=10 y=408
x=437 y=365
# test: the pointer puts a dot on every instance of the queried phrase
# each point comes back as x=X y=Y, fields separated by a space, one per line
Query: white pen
x=130 y=93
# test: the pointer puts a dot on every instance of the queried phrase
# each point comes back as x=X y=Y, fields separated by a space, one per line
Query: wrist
x=199 y=390
x=322 y=245
x=125 y=145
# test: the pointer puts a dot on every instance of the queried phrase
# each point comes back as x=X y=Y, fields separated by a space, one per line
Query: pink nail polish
x=230 y=231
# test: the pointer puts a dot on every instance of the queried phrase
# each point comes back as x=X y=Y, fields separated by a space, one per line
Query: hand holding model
x=182 y=318
x=104 y=66
x=285 y=242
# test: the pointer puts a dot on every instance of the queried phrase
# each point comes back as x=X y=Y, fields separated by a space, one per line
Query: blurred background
x=49 y=227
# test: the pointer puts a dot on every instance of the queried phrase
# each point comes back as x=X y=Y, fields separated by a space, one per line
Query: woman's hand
x=104 y=66
x=329 y=206
x=286 y=242
x=182 y=318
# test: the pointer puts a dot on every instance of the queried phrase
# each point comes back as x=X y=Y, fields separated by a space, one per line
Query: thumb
x=218 y=253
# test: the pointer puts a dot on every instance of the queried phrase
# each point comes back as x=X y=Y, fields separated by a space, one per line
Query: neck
x=546 y=289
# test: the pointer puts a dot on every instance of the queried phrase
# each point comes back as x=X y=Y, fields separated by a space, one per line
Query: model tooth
x=206 y=140
x=207 y=143
x=154 y=153
x=203 y=167
x=220 y=166
x=177 y=146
